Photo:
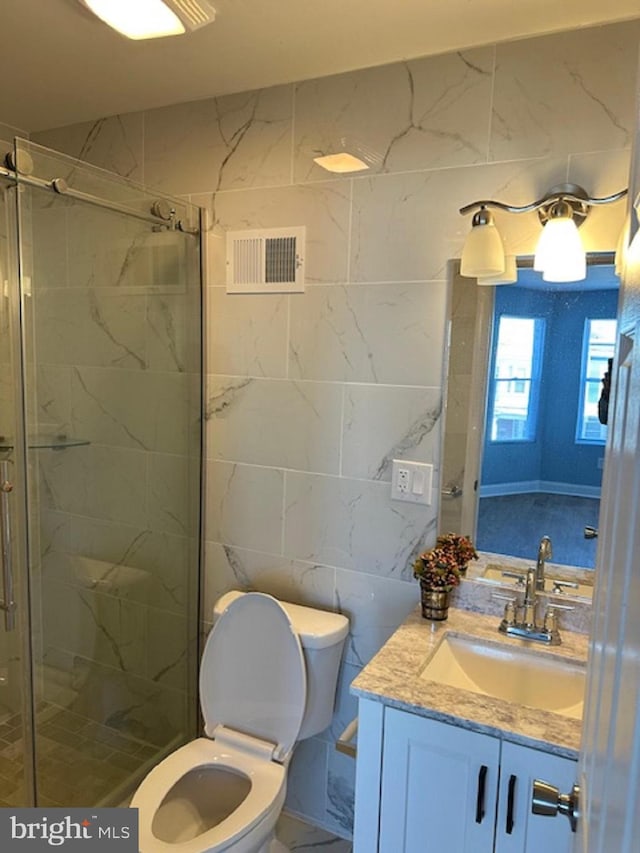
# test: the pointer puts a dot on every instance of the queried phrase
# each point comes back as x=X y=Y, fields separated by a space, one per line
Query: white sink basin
x=495 y=573
x=516 y=675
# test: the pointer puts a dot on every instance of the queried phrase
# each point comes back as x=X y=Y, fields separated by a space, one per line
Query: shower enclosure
x=100 y=468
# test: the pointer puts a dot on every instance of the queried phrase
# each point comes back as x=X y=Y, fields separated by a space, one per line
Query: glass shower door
x=112 y=377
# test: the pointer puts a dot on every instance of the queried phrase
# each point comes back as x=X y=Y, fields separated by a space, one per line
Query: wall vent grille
x=266 y=261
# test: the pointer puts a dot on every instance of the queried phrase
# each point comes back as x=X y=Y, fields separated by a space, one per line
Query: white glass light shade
x=483 y=253
x=560 y=255
x=509 y=276
x=137 y=19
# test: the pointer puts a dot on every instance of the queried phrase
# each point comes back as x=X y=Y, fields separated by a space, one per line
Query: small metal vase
x=435 y=603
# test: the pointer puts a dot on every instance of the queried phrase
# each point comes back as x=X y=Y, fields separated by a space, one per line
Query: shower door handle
x=7 y=604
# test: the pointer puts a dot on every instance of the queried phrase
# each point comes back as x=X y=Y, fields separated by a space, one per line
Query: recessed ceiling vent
x=266 y=261
x=194 y=13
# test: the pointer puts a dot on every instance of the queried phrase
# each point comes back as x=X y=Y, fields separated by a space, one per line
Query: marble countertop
x=392 y=677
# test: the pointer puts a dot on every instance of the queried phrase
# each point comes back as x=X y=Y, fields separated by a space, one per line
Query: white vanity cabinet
x=444 y=788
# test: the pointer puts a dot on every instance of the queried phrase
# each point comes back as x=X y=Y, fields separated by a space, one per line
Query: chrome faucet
x=520 y=618
x=545 y=552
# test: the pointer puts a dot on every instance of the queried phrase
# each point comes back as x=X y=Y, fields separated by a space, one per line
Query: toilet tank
x=322 y=635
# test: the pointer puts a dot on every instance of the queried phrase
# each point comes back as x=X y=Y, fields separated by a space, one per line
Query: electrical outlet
x=411 y=481
x=404 y=480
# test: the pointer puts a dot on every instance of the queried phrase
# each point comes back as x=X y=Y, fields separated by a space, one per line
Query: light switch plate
x=411 y=482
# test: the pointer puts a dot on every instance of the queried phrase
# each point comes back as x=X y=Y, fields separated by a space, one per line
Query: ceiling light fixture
x=559 y=255
x=148 y=19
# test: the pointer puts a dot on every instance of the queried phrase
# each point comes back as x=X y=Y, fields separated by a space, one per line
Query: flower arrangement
x=439 y=569
x=460 y=546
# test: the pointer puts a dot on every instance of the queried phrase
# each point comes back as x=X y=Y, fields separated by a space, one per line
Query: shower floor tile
x=79 y=762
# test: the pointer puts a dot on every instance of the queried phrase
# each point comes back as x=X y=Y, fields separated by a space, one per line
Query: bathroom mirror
x=523 y=445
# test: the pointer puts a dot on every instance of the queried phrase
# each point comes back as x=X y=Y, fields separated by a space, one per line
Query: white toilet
x=267 y=679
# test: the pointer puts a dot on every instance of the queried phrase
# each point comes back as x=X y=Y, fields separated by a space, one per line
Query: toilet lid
x=252 y=676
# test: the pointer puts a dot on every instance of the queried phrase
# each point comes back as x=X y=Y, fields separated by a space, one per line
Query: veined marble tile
x=168 y=648
x=111 y=250
x=435 y=113
x=173 y=494
x=541 y=82
x=55 y=531
x=602 y=173
x=407 y=226
x=129 y=703
x=113 y=143
x=169 y=562
x=100 y=482
x=372 y=333
x=247 y=334
x=353 y=524
x=341 y=780
x=346 y=707
x=99 y=627
x=90 y=327
x=306 y=779
x=173 y=331
x=244 y=506
x=53 y=397
x=131 y=408
x=322 y=208
x=301 y=837
x=221 y=143
x=383 y=423
x=274 y=422
x=228 y=567
x=51 y=243
x=375 y=607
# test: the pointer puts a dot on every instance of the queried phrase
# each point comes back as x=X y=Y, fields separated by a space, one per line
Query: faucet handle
x=519 y=577
x=559 y=586
x=551 y=620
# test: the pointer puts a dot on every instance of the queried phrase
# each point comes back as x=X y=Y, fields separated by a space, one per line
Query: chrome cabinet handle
x=547 y=801
x=7 y=604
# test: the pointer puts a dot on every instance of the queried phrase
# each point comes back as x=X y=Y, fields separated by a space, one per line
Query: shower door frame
x=19 y=498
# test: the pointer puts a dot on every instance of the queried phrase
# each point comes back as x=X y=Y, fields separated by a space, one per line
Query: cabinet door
x=517 y=829
x=439 y=786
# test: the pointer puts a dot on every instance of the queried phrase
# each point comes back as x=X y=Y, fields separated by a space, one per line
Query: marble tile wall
x=309 y=396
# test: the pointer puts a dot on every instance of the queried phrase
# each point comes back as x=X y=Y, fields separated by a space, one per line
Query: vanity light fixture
x=559 y=256
x=148 y=19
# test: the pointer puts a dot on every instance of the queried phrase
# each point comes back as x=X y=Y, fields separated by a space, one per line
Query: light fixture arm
x=571 y=193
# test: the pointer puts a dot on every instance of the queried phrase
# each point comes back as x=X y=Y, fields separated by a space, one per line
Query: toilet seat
x=253 y=675
x=267 y=780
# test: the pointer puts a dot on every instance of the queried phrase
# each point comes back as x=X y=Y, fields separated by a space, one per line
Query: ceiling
x=60 y=65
